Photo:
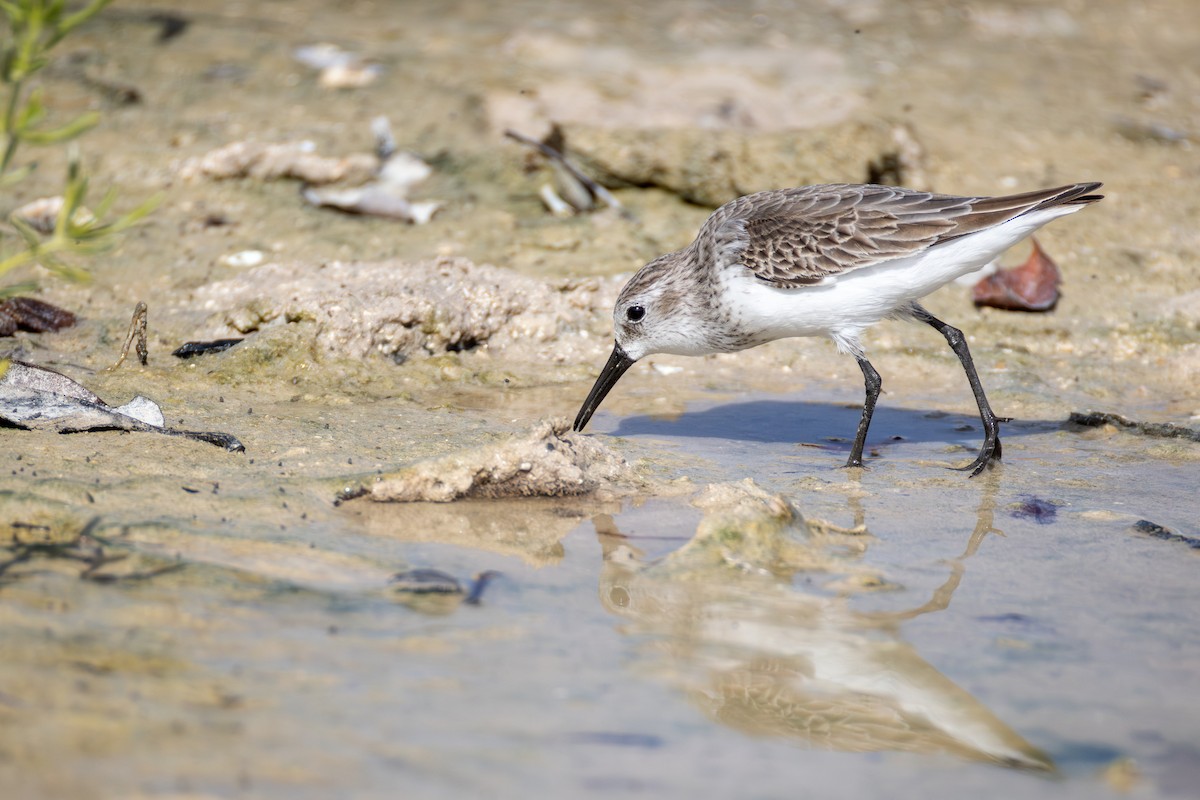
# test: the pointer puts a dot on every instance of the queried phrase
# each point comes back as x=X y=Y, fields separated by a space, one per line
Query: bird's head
x=655 y=313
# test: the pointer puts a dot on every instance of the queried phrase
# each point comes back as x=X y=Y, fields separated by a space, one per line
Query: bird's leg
x=991 y=450
x=873 y=383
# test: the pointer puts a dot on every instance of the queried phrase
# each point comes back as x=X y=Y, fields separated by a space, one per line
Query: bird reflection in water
x=723 y=619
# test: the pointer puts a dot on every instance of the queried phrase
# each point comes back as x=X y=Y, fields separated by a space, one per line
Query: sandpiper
x=827 y=260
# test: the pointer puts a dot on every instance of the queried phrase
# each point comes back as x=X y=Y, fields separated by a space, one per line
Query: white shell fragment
x=555 y=204
x=404 y=170
x=244 y=258
x=386 y=196
x=322 y=55
x=42 y=214
x=571 y=188
x=385 y=140
x=374 y=199
x=143 y=409
x=377 y=184
x=340 y=69
x=349 y=76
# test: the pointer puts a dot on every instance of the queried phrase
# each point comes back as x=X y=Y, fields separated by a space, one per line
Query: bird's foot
x=989 y=454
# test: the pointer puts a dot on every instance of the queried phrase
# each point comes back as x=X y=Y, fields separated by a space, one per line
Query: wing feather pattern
x=801 y=237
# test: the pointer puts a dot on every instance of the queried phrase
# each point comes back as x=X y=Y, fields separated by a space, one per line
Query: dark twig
x=137 y=330
x=549 y=152
x=1163 y=430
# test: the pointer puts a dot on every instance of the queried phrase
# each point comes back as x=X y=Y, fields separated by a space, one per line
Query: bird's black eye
x=635 y=313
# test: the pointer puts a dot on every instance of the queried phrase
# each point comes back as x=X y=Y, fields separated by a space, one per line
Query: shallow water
x=1006 y=635
x=277 y=668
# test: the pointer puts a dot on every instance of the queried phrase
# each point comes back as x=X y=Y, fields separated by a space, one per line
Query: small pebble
x=245 y=258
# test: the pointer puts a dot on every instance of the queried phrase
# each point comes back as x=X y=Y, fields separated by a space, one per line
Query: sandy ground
x=277 y=663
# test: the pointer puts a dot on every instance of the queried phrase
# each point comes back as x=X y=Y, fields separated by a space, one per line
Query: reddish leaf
x=1033 y=286
x=27 y=314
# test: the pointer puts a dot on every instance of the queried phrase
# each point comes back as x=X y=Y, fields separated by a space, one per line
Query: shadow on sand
x=827 y=425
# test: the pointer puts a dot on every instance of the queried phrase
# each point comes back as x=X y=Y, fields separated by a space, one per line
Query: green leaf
x=15 y=260
x=7 y=65
x=12 y=290
x=72 y=201
x=31 y=114
x=12 y=11
x=78 y=18
x=105 y=205
x=32 y=240
x=15 y=176
x=72 y=129
x=63 y=269
x=62 y=223
x=75 y=176
x=135 y=216
x=34 y=27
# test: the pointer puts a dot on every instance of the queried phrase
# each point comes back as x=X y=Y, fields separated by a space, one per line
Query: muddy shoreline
x=236 y=636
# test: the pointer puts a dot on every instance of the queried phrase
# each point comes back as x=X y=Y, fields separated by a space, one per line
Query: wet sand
x=1012 y=634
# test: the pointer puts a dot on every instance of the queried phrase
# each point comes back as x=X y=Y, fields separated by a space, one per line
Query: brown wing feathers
x=989 y=211
x=799 y=237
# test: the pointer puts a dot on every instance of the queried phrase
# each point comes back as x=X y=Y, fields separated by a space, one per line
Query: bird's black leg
x=991 y=423
x=871 y=378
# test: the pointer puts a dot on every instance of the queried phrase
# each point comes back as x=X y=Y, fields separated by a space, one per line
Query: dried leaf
x=1033 y=286
x=34 y=397
x=35 y=316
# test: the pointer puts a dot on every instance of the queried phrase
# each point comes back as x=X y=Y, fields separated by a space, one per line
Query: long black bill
x=617 y=364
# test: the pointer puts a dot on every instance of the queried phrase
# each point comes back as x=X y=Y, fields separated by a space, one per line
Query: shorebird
x=828 y=260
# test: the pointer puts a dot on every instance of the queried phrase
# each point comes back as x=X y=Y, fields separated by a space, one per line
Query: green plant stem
x=10 y=121
x=34 y=27
x=25 y=256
